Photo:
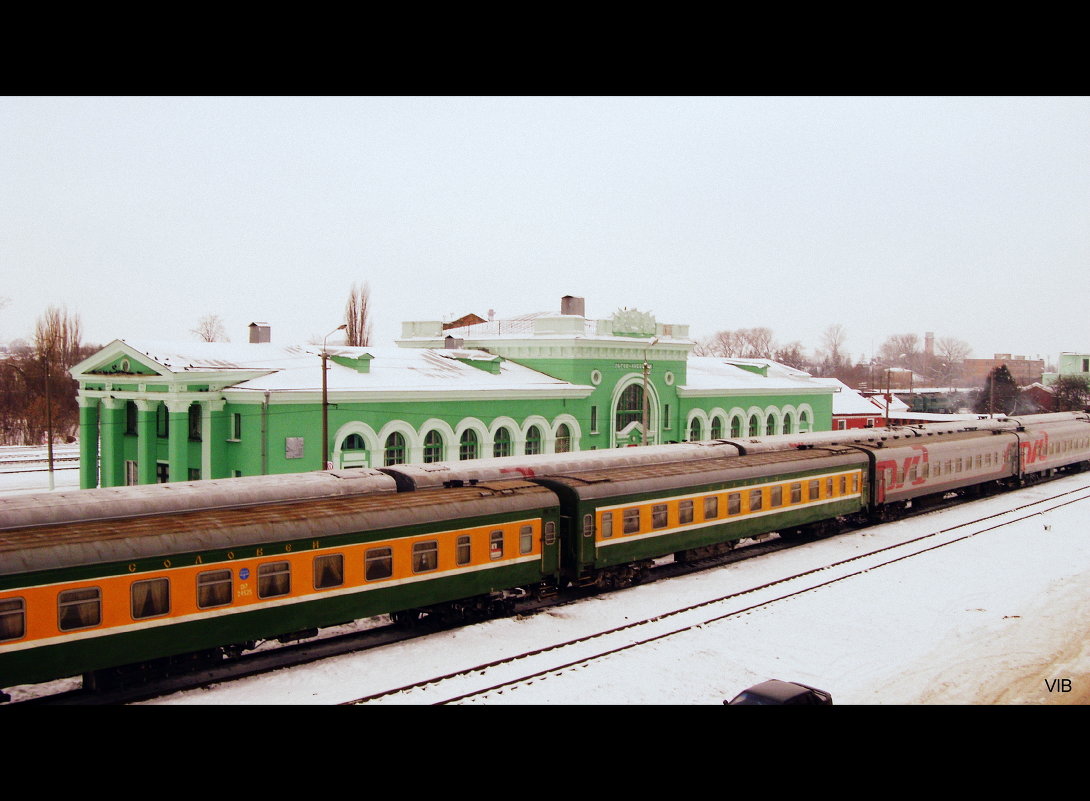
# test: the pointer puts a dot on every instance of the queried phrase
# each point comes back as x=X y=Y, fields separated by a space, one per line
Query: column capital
x=175 y=406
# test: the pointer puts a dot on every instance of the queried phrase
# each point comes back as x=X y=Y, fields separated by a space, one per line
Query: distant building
x=1070 y=364
x=1024 y=371
x=1037 y=397
x=542 y=383
x=851 y=409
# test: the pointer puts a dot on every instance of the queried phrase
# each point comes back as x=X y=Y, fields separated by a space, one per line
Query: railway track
x=14 y=462
x=476 y=683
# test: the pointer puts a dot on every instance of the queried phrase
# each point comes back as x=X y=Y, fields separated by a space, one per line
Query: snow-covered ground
x=24 y=469
x=994 y=618
x=987 y=620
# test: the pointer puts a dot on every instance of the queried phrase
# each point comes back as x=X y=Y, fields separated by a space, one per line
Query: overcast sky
x=968 y=217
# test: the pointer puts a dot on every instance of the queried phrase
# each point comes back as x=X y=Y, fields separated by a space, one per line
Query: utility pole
x=49 y=416
x=646 y=373
x=325 y=399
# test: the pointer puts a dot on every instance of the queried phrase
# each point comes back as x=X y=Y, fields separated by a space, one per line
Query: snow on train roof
x=140 y=536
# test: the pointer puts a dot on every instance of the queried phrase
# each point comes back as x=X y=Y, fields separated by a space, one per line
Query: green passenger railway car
x=84 y=596
x=616 y=521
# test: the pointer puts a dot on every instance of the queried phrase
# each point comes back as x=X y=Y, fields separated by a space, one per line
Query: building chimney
x=573 y=305
x=260 y=332
x=929 y=343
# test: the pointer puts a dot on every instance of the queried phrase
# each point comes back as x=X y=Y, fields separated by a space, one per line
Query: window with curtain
x=563 y=439
x=150 y=598
x=79 y=609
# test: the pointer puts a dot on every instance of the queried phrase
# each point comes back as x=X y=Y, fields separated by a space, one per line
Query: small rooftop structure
x=260 y=332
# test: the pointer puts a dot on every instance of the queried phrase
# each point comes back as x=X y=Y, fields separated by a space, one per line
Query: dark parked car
x=779 y=693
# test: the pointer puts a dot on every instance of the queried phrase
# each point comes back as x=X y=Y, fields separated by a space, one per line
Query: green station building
x=542 y=383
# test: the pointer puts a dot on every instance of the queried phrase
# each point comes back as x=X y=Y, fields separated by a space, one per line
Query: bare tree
x=752 y=343
x=722 y=343
x=832 y=358
x=900 y=350
x=357 y=315
x=51 y=408
x=57 y=334
x=952 y=349
x=757 y=343
x=793 y=355
x=950 y=359
x=210 y=328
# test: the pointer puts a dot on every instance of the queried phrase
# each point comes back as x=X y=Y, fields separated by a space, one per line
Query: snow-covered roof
x=265 y=367
x=773 y=368
x=410 y=370
x=845 y=399
x=712 y=374
x=518 y=326
x=204 y=356
x=895 y=403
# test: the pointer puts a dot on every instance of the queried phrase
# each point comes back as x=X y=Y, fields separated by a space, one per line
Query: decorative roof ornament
x=633 y=323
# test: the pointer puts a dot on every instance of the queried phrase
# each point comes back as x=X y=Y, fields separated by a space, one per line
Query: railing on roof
x=493 y=328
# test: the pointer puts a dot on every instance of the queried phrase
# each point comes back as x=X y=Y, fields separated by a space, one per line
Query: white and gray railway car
x=913 y=469
x=1045 y=447
x=1049 y=441
x=42 y=508
x=890 y=434
x=440 y=474
x=907 y=470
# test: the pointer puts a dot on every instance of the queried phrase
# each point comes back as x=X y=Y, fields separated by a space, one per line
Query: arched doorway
x=628 y=410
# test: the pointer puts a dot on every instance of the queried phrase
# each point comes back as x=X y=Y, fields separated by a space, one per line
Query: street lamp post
x=646 y=372
x=325 y=398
